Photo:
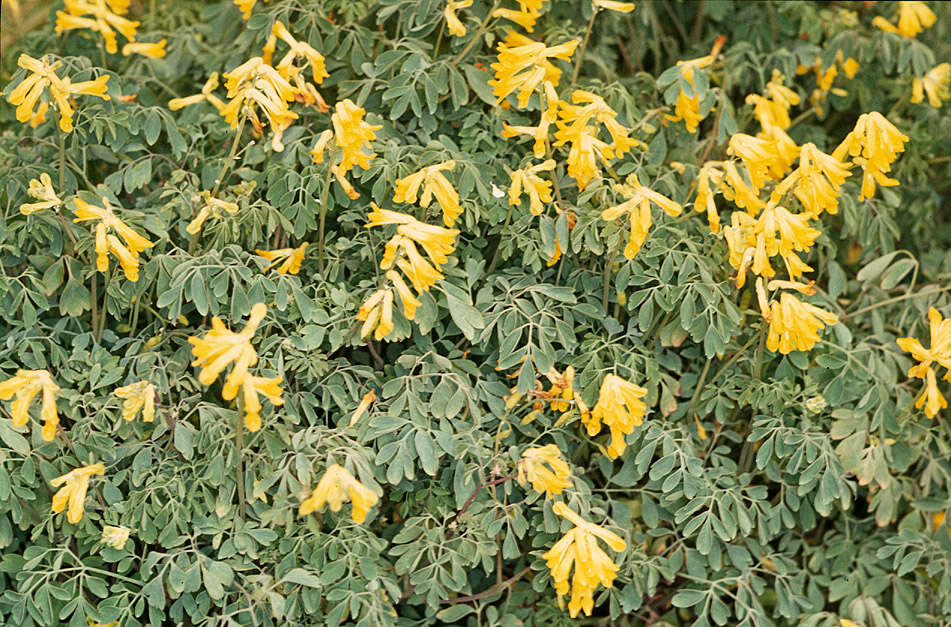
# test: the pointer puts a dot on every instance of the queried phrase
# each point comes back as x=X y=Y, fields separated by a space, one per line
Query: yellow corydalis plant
x=101 y=16
x=525 y=15
x=350 y=132
x=25 y=385
x=579 y=548
x=638 y=207
x=619 y=408
x=206 y=94
x=43 y=191
x=254 y=85
x=114 y=536
x=106 y=241
x=434 y=184
x=453 y=23
x=155 y=50
x=138 y=396
x=613 y=5
x=42 y=77
x=538 y=133
x=913 y=17
x=935 y=83
x=524 y=63
x=538 y=190
x=211 y=206
x=874 y=144
x=222 y=347
x=772 y=109
x=74 y=484
x=793 y=324
x=545 y=469
x=290 y=259
x=306 y=92
x=929 y=358
x=687 y=107
x=336 y=487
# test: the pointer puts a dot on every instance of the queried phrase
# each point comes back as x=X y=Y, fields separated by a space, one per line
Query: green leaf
x=13 y=439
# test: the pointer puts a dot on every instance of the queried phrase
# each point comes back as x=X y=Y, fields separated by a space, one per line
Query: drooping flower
x=206 y=94
x=793 y=324
x=455 y=25
x=26 y=95
x=351 y=132
x=938 y=355
x=638 y=207
x=221 y=347
x=736 y=190
x=297 y=49
x=434 y=185
x=106 y=242
x=545 y=469
x=525 y=16
x=376 y=312
x=73 y=491
x=409 y=300
x=777 y=231
x=115 y=537
x=364 y=405
x=102 y=16
x=579 y=548
x=538 y=189
x=245 y=7
x=137 y=396
x=760 y=157
x=251 y=387
x=210 y=207
x=913 y=17
x=438 y=242
x=254 y=85
x=289 y=258
x=874 y=144
x=935 y=84
x=26 y=384
x=41 y=190
x=708 y=180
x=620 y=408
x=818 y=180
x=154 y=50
x=336 y=487
x=524 y=63
x=687 y=108
x=539 y=133
x=613 y=5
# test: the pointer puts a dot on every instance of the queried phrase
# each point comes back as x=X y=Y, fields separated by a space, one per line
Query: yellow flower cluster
x=437 y=242
x=545 y=469
x=825 y=76
x=138 y=396
x=101 y=16
x=874 y=145
x=74 y=484
x=434 y=184
x=524 y=64
x=350 y=132
x=106 y=242
x=525 y=16
x=913 y=17
x=211 y=206
x=336 y=487
x=43 y=191
x=935 y=83
x=221 y=347
x=620 y=409
x=929 y=358
x=538 y=189
x=579 y=548
x=638 y=208
x=289 y=259
x=27 y=95
x=26 y=384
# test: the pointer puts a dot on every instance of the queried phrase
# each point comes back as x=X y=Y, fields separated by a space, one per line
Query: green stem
x=584 y=44
x=442 y=27
x=323 y=218
x=104 y=314
x=889 y=301
x=221 y=175
x=93 y=302
x=696 y=391
x=498 y=248
x=758 y=367
x=239 y=451
x=478 y=36
x=62 y=163
x=606 y=278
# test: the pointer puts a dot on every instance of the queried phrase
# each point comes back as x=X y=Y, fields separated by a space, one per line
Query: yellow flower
x=256 y=85
x=152 y=50
x=913 y=17
x=620 y=408
x=115 y=537
x=638 y=207
x=935 y=84
x=555 y=255
x=736 y=190
x=525 y=16
x=128 y=254
x=211 y=206
x=874 y=144
x=539 y=133
x=939 y=353
x=410 y=302
x=138 y=396
x=523 y=64
x=773 y=109
x=317 y=152
x=91 y=623
x=819 y=178
x=707 y=182
x=298 y=49
x=760 y=157
x=337 y=486
x=101 y=19
x=41 y=190
x=438 y=242
x=611 y=5
x=376 y=312
x=419 y=271
x=245 y=6
x=850 y=66
x=455 y=25
x=26 y=384
x=538 y=190
x=210 y=85
x=845 y=622
x=687 y=108
x=75 y=483
x=752 y=242
x=270 y=387
x=291 y=258
x=221 y=346
x=351 y=132
x=435 y=185
x=550 y=479
x=364 y=405
x=592 y=566
x=793 y=324
x=26 y=95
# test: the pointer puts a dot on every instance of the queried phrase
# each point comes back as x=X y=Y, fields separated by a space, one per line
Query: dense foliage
x=747 y=472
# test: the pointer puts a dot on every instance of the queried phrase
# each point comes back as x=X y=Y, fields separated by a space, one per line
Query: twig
x=491 y=591
x=478 y=36
x=475 y=493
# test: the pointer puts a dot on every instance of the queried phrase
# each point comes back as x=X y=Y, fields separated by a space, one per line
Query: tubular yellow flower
x=687 y=108
x=245 y=6
x=620 y=408
x=819 y=178
x=152 y=50
x=736 y=190
x=935 y=84
x=707 y=182
x=337 y=486
x=523 y=64
x=103 y=17
x=364 y=405
x=524 y=16
x=41 y=190
x=453 y=22
x=317 y=152
x=539 y=133
x=210 y=85
x=251 y=387
x=137 y=396
x=612 y=5
x=939 y=354
x=874 y=144
x=127 y=254
x=548 y=480
x=221 y=347
x=115 y=537
x=760 y=158
x=42 y=77
x=26 y=384
x=436 y=185
x=793 y=324
x=638 y=207
x=291 y=258
x=420 y=273
x=75 y=483
x=298 y=49
x=211 y=207
x=913 y=18
x=438 y=242
x=773 y=108
x=351 y=132
x=538 y=190
x=579 y=548
x=410 y=302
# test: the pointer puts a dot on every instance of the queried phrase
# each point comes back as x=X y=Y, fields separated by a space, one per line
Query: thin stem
x=442 y=27
x=62 y=163
x=323 y=217
x=696 y=391
x=606 y=278
x=491 y=591
x=484 y=484
x=221 y=175
x=758 y=367
x=239 y=451
x=93 y=302
x=584 y=44
x=478 y=36
x=104 y=314
x=889 y=301
x=498 y=248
